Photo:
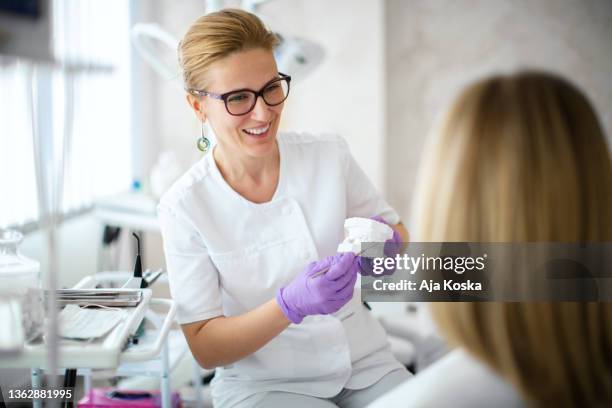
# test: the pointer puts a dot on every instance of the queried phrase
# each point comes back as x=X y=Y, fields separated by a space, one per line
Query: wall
x=77 y=243
x=435 y=47
x=345 y=94
x=177 y=128
x=145 y=101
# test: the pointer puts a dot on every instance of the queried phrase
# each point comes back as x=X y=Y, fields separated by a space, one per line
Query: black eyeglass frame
x=224 y=96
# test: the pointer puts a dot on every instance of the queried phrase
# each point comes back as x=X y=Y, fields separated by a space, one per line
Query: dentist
x=247 y=227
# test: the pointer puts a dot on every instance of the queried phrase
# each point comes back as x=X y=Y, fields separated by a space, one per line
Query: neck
x=238 y=168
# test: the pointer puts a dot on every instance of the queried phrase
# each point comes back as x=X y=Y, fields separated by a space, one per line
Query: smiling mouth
x=257 y=131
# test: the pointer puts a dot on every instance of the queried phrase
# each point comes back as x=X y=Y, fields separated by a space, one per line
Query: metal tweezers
x=322 y=271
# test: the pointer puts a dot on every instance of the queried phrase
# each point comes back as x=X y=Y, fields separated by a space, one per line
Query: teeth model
x=358 y=230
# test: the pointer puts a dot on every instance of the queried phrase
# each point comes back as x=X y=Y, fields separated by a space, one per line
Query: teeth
x=257 y=131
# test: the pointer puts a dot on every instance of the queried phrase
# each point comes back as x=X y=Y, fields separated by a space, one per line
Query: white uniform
x=457 y=380
x=226 y=255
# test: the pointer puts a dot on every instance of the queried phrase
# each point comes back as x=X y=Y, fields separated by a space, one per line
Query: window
x=78 y=109
x=18 y=196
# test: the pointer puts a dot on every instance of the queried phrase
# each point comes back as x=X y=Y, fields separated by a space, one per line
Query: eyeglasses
x=242 y=101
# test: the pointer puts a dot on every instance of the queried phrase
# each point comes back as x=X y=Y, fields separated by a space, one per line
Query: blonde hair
x=523 y=158
x=217 y=35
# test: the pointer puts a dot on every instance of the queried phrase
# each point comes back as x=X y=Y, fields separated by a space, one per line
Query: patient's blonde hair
x=217 y=35
x=523 y=158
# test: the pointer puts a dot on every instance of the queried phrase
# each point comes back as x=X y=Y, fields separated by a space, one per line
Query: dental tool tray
x=100 y=353
x=99 y=297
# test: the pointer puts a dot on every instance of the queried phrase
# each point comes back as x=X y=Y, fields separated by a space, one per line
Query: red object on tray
x=111 y=398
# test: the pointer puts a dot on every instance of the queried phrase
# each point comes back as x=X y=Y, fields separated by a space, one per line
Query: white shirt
x=457 y=380
x=226 y=255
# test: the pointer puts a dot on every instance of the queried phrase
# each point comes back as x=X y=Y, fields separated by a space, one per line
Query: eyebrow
x=249 y=89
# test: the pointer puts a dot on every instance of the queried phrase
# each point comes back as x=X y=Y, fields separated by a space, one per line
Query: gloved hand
x=311 y=293
x=392 y=247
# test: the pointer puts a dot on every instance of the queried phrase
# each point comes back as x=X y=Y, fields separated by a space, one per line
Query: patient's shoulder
x=456 y=380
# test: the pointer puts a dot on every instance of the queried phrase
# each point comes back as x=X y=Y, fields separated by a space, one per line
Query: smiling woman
x=245 y=121
x=248 y=230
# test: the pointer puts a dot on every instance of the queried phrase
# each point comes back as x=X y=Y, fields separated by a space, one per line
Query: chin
x=262 y=149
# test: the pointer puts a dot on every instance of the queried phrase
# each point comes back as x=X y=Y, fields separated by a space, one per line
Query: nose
x=261 y=111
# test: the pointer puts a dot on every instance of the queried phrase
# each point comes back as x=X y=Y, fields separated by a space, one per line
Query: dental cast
x=359 y=230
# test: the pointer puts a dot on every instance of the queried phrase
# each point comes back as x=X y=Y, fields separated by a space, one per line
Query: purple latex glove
x=322 y=294
x=392 y=247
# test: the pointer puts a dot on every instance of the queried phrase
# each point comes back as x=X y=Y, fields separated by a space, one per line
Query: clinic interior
x=381 y=74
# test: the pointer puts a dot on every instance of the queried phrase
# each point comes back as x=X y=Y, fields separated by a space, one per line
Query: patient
x=518 y=158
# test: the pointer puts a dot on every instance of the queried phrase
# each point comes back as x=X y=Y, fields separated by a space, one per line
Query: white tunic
x=226 y=255
x=457 y=380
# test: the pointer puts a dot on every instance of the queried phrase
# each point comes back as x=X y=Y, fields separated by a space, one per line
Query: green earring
x=203 y=142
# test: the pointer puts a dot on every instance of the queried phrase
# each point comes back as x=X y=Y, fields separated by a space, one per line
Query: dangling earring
x=203 y=142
